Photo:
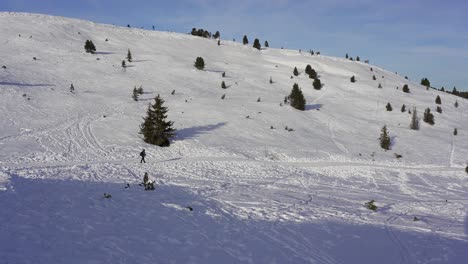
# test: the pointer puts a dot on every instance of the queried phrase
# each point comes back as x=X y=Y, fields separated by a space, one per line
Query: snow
x=259 y=195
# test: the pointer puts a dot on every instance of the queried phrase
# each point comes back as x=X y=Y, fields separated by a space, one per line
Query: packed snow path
x=259 y=195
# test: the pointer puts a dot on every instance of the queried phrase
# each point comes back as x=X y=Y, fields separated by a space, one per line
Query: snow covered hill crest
x=268 y=183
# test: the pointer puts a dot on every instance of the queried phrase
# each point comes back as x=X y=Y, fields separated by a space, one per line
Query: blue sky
x=416 y=38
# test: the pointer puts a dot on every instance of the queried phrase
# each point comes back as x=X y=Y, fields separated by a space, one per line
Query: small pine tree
x=223 y=74
x=266 y=44
x=406 y=88
x=256 y=44
x=389 y=107
x=124 y=65
x=223 y=85
x=308 y=69
x=297 y=98
x=317 y=84
x=455 y=132
x=358 y=59
x=374 y=78
x=428 y=117
x=173 y=92
x=223 y=96
x=271 y=80
x=313 y=74
x=216 y=35
x=89 y=47
x=353 y=79
x=72 y=88
x=346 y=56
x=295 y=71
x=456 y=104
x=380 y=86
x=414 y=125
x=438 y=100
x=403 y=108
x=384 y=139
x=442 y=89
x=135 y=94
x=259 y=100
x=439 y=109
x=155 y=129
x=245 y=40
x=199 y=63
x=371 y=206
x=129 y=56
x=425 y=82
x=466 y=169
x=140 y=89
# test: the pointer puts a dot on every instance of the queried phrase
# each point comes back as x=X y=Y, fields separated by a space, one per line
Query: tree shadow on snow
x=25 y=84
x=193 y=132
x=313 y=107
x=70 y=221
x=104 y=53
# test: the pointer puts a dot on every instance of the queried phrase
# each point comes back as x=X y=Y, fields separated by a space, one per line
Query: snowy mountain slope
x=259 y=195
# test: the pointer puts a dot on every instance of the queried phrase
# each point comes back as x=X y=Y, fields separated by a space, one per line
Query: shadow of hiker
x=192 y=132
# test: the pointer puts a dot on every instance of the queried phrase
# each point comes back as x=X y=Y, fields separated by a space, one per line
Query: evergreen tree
x=140 y=89
x=135 y=94
x=353 y=79
x=389 y=107
x=466 y=169
x=259 y=100
x=380 y=85
x=414 y=125
x=256 y=44
x=442 y=89
x=223 y=85
x=425 y=82
x=266 y=44
x=223 y=74
x=123 y=64
x=384 y=139
x=223 y=96
x=129 y=56
x=317 y=84
x=406 y=88
x=456 y=104
x=89 y=47
x=271 y=80
x=438 y=101
x=173 y=92
x=439 y=109
x=155 y=129
x=199 y=63
x=295 y=72
x=428 y=117
x=454 y=91
x=245 y=40
x=72 y=88
x=216 y=35
x=308 y=69
x=374 y=78
x=358 y=59
x=297 y=98
x=403 y=108
x=313 y=74
x=346 y=56
x=455 y=132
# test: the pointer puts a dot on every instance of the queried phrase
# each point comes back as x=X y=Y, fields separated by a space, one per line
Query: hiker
x=145 y=178
x=143 y=154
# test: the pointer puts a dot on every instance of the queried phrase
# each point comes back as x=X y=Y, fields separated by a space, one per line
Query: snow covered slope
x=259 y=195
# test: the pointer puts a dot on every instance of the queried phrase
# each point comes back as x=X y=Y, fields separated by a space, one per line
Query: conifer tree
x=256 y=44
x=384 y=139
x=223 y=74
x=439 y=109
x=129 y=56
x=89 y=47
x=72 y=88
x=380 y=85
x=155 y=129
x=223 y=85
x=358 y=59
x=456 y=104
x=317 y=84
x=455 y=132
x=454 y=91
x=346 y=56
x=313 y=74
x=271 y=80
x=406 y=88
x=414 y=125
x=466 y=169
x=374 y=78
x=199 y=63
x=135 y=94
x=353 y=79
x=425 y=82
x=140 y=89
x=296 y=98
x=124 y=65
x=428 y=117
x=438 y=101
x=245 y=40
x=259 y=100
x=403 y=108
x=216 y=35
x=442 y=89
x=295 y=71
x=266 y=44
x=223 y=96
x=389 y=107
x=308 y=69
